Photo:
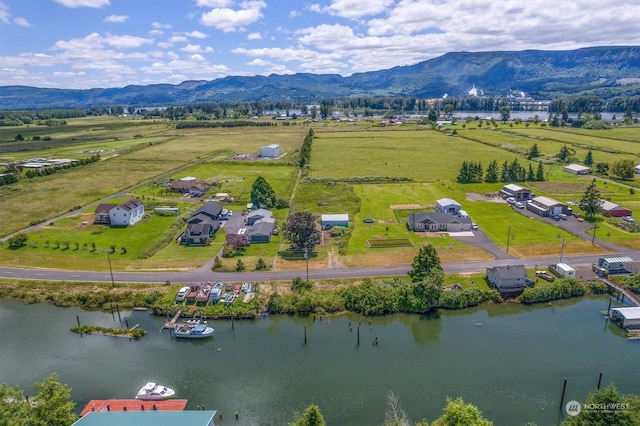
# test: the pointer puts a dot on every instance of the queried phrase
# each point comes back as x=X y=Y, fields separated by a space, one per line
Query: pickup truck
x=545 y=276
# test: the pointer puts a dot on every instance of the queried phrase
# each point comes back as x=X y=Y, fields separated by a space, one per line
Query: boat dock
x=171 y=324
x=635 y=300
x=133 y=405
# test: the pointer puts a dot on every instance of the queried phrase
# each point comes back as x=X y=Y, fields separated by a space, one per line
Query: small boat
x=190 y=331
x=203 y=293
x=154 y=392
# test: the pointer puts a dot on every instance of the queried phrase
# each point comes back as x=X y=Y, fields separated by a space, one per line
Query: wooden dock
x=171 y=324
x=635 y=300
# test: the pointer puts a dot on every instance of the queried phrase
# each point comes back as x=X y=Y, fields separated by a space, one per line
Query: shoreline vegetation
x=369 y=297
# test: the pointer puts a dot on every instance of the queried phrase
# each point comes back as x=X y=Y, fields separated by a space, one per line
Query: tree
x=590 y=201
x=433 y=115
x=394 y=415
x=14 y=407
x=217 y=263
x=448 y=111
x=607 y=397
x=588 y=159
x=300 y=229
x=52 y=403
x=17 y=241
x=457 y=413
x=299 y=285
x=311 y=417
x=262 y=194
x=534 y=152
x=540 y=173
x=240 y=265
x=505 y=113
x=237 y=241
x=563 y=155
x=492 y=172
x=260 y=265
x=426 y=266
x=624 y=169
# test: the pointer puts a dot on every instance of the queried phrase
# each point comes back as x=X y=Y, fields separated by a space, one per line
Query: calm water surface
x=509 y=359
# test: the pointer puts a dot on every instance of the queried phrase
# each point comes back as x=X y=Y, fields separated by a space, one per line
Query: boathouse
x=140 y=418
x=627 y=317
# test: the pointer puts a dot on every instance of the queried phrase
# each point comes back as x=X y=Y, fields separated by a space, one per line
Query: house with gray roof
x=447 y=205
x=437 y=222
x=510 y=280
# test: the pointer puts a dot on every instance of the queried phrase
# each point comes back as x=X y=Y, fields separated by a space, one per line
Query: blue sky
x=113 y=43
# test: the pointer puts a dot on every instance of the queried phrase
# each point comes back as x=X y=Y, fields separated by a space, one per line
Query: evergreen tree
x=563 y=155
x=458 y=413
x=53 y=404
x=540 y=173
x=426 y=266
x=590 y=201
x=588 y=159
x=531 y=176
x=311 y=417
x=534 y=152
x=492 y=172
x=608 y=397
x=262 y=195
x=504 y=172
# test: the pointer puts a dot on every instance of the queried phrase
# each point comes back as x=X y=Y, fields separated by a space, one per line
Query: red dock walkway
x=133 y=405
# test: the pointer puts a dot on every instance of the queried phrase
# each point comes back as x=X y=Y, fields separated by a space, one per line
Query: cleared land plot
x=325 y=198
x=390 y=242
x=421 y=155
x=596 y=139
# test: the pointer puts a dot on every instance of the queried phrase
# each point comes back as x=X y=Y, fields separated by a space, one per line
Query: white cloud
x=214 y=3
x=308 y=59
x=196 y=34
x=4 y=13
x=230 y=20
x=83 y=3
x=22 y=22
x=116 y=19
x=191 y=48
x=254 y=36
x=197 y=58
x=160 y=26
x=126 y=41
x=178 y=39
x=294 y=14
x=353 y=9
x=259 y=62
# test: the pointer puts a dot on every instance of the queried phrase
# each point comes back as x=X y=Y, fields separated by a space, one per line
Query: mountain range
x=542 y=74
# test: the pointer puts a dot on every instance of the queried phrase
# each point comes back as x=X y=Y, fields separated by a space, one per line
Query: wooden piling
x=126 y=321
x=305 y=334
x=599 y=380
x=78 y=319
x=564 y=388
x=609 y=308
x=358 y=335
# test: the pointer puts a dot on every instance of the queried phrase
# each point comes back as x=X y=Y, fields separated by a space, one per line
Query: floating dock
x=171 y=324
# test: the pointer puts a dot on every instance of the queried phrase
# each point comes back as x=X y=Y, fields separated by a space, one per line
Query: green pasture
x=69 y=243
x=325 y=198
x=620 y=140
x=421 y=155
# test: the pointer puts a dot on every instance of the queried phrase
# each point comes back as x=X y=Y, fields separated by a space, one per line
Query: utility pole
x=113 y=283
x=562 y=250
x=306 y=256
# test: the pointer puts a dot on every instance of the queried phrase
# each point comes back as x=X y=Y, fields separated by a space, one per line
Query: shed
x=612 y=209
x=577 y=169
x=447 y=205
x=628 y=317
x=270 y=151
x=328 y=221
x=565 y=270
x=638 y=169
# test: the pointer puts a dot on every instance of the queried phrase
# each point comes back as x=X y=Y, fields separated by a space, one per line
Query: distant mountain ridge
x=540 y=73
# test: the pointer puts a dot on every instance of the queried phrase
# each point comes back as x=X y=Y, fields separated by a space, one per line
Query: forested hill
x=600 y=71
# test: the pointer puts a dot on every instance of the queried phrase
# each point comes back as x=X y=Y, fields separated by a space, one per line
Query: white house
x=638 y=169
x=127 y=213
x=270 y=151
x=447 y=205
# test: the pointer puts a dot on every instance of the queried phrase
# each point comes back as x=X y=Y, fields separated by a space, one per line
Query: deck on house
x=133 y=405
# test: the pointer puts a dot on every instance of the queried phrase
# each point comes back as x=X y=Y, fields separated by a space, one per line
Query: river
x=508 y=359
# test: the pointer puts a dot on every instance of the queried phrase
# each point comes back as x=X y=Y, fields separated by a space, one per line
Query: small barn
x=516 y=191
x=577 y=169
x=447 y=205
x=612 y=209
x=545 y=206
x=328 y=221
x=627 y=317
x=270 y=151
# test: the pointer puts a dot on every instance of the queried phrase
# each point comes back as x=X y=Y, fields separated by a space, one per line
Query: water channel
x=508 y=359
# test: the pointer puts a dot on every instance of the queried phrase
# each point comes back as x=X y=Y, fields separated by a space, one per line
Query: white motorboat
x=154 y=392
x=188 y=331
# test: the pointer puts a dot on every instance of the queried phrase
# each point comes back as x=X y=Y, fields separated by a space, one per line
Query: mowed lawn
x=421 y=155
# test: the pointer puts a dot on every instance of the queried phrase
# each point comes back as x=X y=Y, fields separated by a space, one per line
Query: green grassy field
x=135 y=151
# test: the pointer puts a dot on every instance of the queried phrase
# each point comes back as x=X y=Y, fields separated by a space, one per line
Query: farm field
x=141 y=154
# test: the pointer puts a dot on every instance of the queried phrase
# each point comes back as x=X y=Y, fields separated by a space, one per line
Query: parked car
x=580 y=219
x=182 y=294
x=562 y=216
x=474 y=227
x=627 y=219
x=519 y=205
x=511 y=200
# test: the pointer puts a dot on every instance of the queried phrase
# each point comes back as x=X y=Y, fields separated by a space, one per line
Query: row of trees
x=472 y=172
x=304 y=155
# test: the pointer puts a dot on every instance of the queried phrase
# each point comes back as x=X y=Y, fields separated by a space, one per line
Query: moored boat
x=189 y=331
x=203 y=293
x=154 y=392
